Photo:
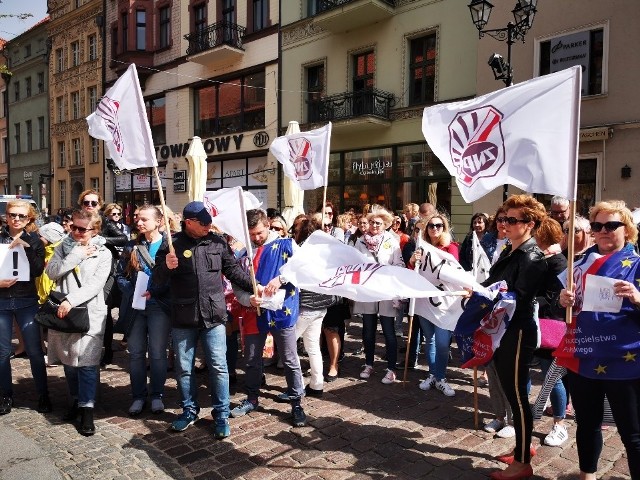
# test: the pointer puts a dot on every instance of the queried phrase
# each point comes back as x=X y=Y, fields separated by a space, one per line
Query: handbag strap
x=144 y=252
x=75 y=274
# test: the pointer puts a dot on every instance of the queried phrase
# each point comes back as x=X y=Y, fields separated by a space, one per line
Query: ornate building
x=4 y=102
x=75 y=85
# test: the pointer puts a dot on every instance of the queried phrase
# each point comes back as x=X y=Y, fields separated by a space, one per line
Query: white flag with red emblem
x=525 y=135
x=121 y=121
x=228 y=208
x=305 y=156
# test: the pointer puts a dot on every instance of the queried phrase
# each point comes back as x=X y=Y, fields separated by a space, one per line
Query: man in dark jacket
x=194 y=273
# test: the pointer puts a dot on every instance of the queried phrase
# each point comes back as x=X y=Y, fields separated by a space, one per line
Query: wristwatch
x=282 y=279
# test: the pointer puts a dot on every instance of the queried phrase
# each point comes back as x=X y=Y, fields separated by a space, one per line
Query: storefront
x=135 y=189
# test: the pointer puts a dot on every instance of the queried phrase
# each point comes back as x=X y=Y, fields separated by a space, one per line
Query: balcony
x=339 y=16
x=363 y=110
x=218 y=43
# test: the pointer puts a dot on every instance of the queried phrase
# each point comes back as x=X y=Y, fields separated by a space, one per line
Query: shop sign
x=571 y=50
x=376 y=167
x=211 y=146
x=180 y=181
x=28 y=176
x=591 y=134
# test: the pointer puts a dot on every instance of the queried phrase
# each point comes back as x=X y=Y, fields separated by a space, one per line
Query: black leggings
x=588 y=403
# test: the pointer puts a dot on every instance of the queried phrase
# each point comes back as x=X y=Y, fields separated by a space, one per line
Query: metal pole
x=508 y=82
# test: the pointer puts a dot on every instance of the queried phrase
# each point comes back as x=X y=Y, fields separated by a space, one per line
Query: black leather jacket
x=35 y=255
x=524 y=270
x=197 y=290
x=113 y=235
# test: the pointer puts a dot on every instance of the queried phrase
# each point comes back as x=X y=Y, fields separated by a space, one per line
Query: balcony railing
x=221 y=33
x=344 y=106
x=324 y=5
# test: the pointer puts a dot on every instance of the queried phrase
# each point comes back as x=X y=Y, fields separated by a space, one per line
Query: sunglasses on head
x=75 y=228
x=91 y=203
x=510 y=220
x=608 y=226
x=19 y=216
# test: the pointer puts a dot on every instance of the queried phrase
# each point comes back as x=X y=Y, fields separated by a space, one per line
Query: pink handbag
x=551 y=332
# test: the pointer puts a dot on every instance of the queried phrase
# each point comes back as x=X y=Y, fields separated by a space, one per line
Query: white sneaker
x=507 y=432
x=557 y=436
x=493 y=426
x=389 y=378
x=428 y=383
x=445 y=388
x=366 y=371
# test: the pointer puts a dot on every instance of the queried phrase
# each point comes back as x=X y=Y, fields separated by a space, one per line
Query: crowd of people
x=184 y=284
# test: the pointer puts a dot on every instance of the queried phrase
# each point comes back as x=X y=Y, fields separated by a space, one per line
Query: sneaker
x=506 y=432
x=313 y=392
x=245 y=407
x=221 y=429
x=157 y=406
x=6 y=402
x=445 y=388
x=184 y=421
x=136 y=408
x=493 y=426
x=366 y=371
x=557 y=436
x=389 y=378
x=428 y=383
x=285 y=397
x=299 y=417
x=44 y=404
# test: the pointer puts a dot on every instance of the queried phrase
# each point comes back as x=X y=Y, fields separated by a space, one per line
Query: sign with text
x=14 y=263
x=180 y=181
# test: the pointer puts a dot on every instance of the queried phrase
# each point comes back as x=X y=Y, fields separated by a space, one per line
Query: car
x=4 y=199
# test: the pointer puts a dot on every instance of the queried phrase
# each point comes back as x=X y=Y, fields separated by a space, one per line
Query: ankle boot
x=71 y=415
x=87 y=428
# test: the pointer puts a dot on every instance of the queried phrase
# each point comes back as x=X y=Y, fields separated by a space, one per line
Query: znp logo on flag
x=357 y=274
x=301 y=155
x=107 y=109
x=477 y=144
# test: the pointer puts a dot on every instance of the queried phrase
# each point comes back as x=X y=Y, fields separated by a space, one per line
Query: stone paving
x=357 y=430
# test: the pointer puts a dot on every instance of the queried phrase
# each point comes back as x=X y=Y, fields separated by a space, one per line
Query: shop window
x=422 y=70
x=253 y=101
x=156 y=114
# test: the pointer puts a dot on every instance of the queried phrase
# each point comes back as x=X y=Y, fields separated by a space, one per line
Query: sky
x=12 y=27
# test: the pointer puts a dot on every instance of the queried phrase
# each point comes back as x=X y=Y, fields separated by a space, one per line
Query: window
x=95 y=184
x=165 y=27
x=59 y=60
x=229 y=17
x=5 y=150
x=16 y=127
x=585 y=48
x=77 y=154
x=41 y=132
x=422 y=70
x=156 y=113
x=200 y=17
x=27 y=51
x=92 y=99
x=315 y=91
x=260 y=12
x=62 y=154
x=29 y=129
x=3 y=100
x=125 y=31
x=253 y=102
x=114 y=41
x=313 y=7
x=95 y=150
x=40 y=82
x=364 y=68
x=141 y=30
x=75 y=105
x=16 y=90
x=60 y=109
x=27 y=87
x=93 y=47
x=75 y=54
x=62 y=192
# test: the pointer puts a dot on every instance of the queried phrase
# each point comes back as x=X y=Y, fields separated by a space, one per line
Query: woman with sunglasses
x=610 y=368
x=148 y=328
x=80 y=267
x=113 y=213
x=330 y=221
x=437 y=339
x=19 y=301
x=381 y=247
x=279 y=225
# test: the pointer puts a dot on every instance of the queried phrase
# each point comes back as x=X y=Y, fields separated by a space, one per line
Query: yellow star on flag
x=292 y=292
x=638 y=281
x=272 y=323
x=274 y=246
x=629 y=357
x=285 y=255
x=626 y=262
x=600 y=369
x=287 y=311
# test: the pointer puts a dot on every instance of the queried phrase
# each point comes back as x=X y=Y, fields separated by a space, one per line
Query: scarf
x=373 y=242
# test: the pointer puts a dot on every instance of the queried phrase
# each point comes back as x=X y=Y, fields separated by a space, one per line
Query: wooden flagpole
x=164 y=209
x=411 y=313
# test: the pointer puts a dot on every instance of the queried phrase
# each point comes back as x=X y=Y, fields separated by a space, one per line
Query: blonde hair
x=444 y=239
x=31 y=212
x=620 y=207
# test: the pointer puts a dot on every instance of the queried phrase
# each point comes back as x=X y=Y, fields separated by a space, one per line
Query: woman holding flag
x=600 y=348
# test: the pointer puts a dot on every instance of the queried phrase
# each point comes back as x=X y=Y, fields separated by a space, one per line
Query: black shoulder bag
x=76 y=321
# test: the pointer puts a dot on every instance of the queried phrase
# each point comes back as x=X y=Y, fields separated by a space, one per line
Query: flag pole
x=247 y=241
x=164 y=209
x=411 y=313
x=476 y=422
x=570 y=255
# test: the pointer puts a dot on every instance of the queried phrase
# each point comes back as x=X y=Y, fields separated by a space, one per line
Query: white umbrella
x=197 y=158
x=293 y=196
x=636 y=215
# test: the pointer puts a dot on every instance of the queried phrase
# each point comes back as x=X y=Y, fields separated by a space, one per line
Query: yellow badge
x=187 y=254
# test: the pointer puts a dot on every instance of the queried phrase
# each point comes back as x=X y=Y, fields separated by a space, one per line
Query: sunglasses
x=510 y=220
x=277 y=229
x=608 y=226
x=203 y=224
x=91 y=203
x=435 y=226
x=329 y=214
x=575 y=230
x=115 y=213
x=328 y=225
x=75 y=228
x=375 y=224
x=19 y=216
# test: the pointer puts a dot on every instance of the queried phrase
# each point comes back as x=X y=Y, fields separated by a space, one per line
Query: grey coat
x=77 y=349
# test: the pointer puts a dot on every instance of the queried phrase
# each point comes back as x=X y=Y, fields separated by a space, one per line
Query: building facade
x=75 y=73
x=27 y=122
x=5 y=77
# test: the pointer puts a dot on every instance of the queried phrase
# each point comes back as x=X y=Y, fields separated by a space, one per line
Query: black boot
x=87 y=428
x=71 y=415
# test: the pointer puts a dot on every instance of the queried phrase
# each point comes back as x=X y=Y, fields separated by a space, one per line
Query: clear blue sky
x=12 y=27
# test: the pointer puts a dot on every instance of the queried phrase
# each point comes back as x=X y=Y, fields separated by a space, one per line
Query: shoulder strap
x=144 y=253
x=75 y=274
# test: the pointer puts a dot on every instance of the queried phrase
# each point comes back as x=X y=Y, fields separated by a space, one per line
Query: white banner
x=14 y=263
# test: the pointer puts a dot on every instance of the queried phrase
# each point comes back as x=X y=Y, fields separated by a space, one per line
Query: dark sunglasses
x=608 y=226
x=92 y=203
x=435 y=226
x=19 y=216
x=328 y=225
x=75 y=228
x=116 y=213
x=575 y=230
x=277 y=229
x=510 y=220
x=204 y=224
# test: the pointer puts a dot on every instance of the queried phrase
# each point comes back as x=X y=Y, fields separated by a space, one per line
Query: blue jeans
x=558 y=395
x=83 y=384
x=215 y=350
x=437 y=341
x=369 y=324
x=23 y=310
x=150 y=328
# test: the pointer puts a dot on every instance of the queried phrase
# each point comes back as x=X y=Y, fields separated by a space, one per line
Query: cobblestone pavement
x=357 y=430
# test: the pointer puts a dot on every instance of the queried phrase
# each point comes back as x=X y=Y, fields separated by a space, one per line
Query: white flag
x=228 y=208
x=305 y=156
x=481 y=264
x=525 y=135
x=121 y=121
x=443 y=270
x=323 y=264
